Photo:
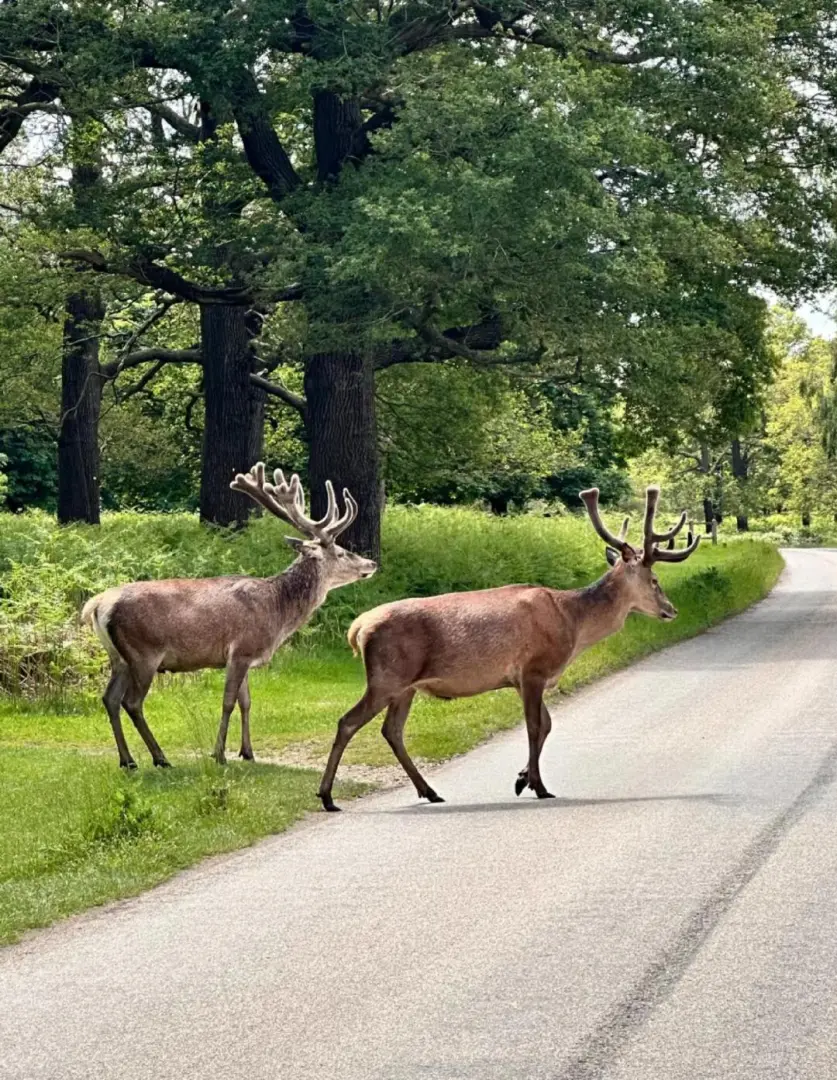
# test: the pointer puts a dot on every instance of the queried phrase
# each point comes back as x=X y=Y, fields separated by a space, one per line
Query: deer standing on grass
x=521 y=636
x=236 y=623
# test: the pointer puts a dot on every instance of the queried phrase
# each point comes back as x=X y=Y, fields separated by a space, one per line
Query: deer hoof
x=431 y=796
x=521 y=782
x=131 y=764
x=162 y=764
x=544 y=794
x=219 y=759
x=247 y=755
x=328 y=805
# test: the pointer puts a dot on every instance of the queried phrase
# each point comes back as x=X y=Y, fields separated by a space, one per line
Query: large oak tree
x=595 y=189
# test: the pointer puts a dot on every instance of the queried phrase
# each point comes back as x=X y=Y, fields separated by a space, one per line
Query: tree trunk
x=81 y=397
x=233 y=413
x=342 y=442
x=708 y=515
x=740 y=471
x=340 y=418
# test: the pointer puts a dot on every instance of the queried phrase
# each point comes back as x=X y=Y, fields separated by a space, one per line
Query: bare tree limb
x=144 y=380
x=150 y=355
x=282 y=392
x=190 y=132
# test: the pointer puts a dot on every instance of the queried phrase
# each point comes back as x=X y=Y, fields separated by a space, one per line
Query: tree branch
x=39 y=94
x=282 y=392
x=145 y=379
x=262 y=147
x=147 y=272
x=150 y=355
x=190 y=132
x=481 y=337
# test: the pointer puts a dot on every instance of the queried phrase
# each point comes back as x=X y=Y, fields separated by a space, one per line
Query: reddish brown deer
x=236 y=623
x=520 y=636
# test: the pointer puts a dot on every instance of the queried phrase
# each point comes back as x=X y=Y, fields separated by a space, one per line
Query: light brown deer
x=520 y=636
x=236 y=623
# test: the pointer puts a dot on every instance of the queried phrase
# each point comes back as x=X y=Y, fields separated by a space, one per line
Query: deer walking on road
x=236 y=623
x=521 y=636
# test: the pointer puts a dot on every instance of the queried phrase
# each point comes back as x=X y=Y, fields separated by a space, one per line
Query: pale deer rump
x=186 y=624
x=463 y=644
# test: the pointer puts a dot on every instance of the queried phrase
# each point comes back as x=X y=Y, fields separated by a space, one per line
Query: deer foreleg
x=533 y=707
x=246 y=750
x=236 y=673
x=522 y=780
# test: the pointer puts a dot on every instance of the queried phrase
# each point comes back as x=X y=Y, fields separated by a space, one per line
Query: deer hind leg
x=536 y=715
x=393 y=732
x=236 y=674
x=246 y=750
x=132 y=701
x=112 y=700
x=522 y=780
x=349 y=724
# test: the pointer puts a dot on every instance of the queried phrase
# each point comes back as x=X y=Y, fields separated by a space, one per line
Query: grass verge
x=78 y=832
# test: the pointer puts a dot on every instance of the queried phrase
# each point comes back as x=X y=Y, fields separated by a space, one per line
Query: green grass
x=82 y=832
x=79 y=832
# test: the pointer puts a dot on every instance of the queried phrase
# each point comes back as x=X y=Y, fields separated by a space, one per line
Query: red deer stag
x=235 y=623
x=520 y=636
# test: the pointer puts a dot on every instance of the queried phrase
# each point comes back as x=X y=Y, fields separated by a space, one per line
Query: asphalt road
x=671 y=915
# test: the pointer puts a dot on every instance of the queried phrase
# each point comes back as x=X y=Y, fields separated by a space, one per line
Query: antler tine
x=253 y=484
x=675 y=556
x=348 y=516
x=659 y=538
x=652 y=497
x=293 y=494
x=286 y=499
x=623 y=532
x=327 y=520
x=590 y=498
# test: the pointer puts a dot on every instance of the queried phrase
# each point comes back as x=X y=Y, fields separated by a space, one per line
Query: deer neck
x=602 y=609
x=300 y=590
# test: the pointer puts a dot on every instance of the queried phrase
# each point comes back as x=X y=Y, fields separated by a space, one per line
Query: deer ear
x=296 y=542
x=612 y=556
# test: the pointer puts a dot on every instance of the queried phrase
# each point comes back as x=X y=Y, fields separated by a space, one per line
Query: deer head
x=286 y=500
x=636 y=567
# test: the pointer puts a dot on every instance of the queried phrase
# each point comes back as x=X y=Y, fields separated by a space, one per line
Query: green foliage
x=29 y=468
x=615 y=184
x=786 y=452
x=452 y=434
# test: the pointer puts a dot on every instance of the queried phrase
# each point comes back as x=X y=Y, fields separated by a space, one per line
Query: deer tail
x=354 y=631
x=96 y=614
